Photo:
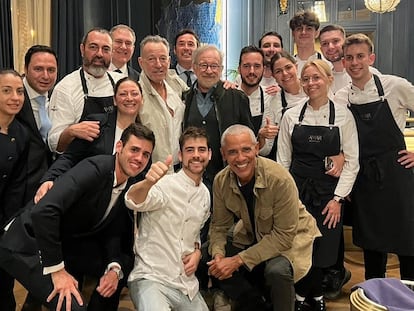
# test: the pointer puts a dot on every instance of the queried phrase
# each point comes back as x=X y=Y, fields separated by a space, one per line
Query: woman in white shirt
x=309 y=134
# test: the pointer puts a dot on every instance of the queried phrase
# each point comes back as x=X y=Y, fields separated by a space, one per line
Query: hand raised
x=158 y=170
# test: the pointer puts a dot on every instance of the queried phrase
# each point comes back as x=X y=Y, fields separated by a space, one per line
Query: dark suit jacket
x=80 y=149
x=230 y=107
x=133 y=74
x=40 y=157
x=73 y=209
x=13 y=170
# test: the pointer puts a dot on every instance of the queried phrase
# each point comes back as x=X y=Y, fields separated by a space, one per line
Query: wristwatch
x=339 y=199
x=118 y=272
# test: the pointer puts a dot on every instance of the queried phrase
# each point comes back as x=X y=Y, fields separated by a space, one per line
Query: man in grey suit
x=123 y=38
x=80 y=227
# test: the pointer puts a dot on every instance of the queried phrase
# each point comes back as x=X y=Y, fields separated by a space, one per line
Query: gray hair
x=204 y=48
x=154 y=39
x=122 y=26
x=237 y=129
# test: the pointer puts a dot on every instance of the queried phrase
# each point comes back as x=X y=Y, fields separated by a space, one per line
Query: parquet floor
x=353 y=262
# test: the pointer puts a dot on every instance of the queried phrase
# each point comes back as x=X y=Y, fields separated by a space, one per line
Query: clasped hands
x=223 y=267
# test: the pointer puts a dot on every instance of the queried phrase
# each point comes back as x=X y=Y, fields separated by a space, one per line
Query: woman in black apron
x=309 y=135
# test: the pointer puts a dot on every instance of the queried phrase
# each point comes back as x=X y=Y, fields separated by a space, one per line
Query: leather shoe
x=335 y=281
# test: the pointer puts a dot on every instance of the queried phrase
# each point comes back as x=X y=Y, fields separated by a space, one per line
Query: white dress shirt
x=271 y=105
x=398 y=91
x=123 y=69
x=292 y=101
x=344 y=120
x=171 y=219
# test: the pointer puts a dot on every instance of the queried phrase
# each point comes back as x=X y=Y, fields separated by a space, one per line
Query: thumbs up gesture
x=269 y=131
x=158 y=170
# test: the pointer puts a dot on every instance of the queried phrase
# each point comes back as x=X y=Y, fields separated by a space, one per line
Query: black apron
x=258 y=120
x=383 y=196
x=310 y=145
x=273 y=152
x=93 y=105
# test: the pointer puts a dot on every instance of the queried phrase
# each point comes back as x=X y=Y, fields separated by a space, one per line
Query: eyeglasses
x=213 y=67
x=307 y=80
x=95 y=48
x=119 y=42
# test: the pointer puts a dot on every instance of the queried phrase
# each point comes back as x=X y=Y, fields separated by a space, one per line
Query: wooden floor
x=353 y=261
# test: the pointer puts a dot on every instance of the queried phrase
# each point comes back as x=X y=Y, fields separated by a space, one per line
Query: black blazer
x=14 y=149
x=132 y=73
x=40 y=156
x=80 y=149
x=73 y=210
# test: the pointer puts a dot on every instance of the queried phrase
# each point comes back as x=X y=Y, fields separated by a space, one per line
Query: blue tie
x=45 y=124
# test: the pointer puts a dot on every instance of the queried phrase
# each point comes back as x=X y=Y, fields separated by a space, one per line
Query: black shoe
x=334 y=283
x=319 y=305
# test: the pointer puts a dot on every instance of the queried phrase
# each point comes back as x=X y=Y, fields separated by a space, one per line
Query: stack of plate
x=360 y=302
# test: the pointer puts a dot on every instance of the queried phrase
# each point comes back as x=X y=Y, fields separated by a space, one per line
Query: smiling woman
x=14 y=147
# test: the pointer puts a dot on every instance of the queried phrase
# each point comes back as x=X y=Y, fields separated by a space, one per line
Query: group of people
x=175 y=183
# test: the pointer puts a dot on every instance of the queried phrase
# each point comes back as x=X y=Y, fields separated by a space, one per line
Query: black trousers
x=7 y=301
x=376 y=262
x=19 y=255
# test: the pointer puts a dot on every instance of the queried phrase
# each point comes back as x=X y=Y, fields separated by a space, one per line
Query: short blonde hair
x=321 y=66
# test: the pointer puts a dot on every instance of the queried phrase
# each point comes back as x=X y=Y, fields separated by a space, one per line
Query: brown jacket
x=283 y=226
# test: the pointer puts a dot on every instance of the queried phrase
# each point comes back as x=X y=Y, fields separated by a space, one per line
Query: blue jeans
x=150 y=295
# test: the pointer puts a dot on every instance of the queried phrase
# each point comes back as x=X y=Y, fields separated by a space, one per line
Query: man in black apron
x=383 y=200
x=82 y=92
x=262 y=105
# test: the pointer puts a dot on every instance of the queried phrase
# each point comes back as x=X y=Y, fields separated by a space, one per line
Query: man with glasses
x=163 y=109
x=209 y=105
x=87 y=90
x=123 y=38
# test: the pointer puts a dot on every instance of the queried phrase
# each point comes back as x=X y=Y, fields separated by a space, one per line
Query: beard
x=95 y=70
x=253 y=84
x=334 y=59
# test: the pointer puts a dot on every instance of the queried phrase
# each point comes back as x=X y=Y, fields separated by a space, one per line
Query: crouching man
x=271 y=245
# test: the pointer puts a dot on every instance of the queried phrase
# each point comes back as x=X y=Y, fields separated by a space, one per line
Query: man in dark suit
x=40 y=68
x=186 y=42
x=80 y=227
x=211 y=106
x=123 y=38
